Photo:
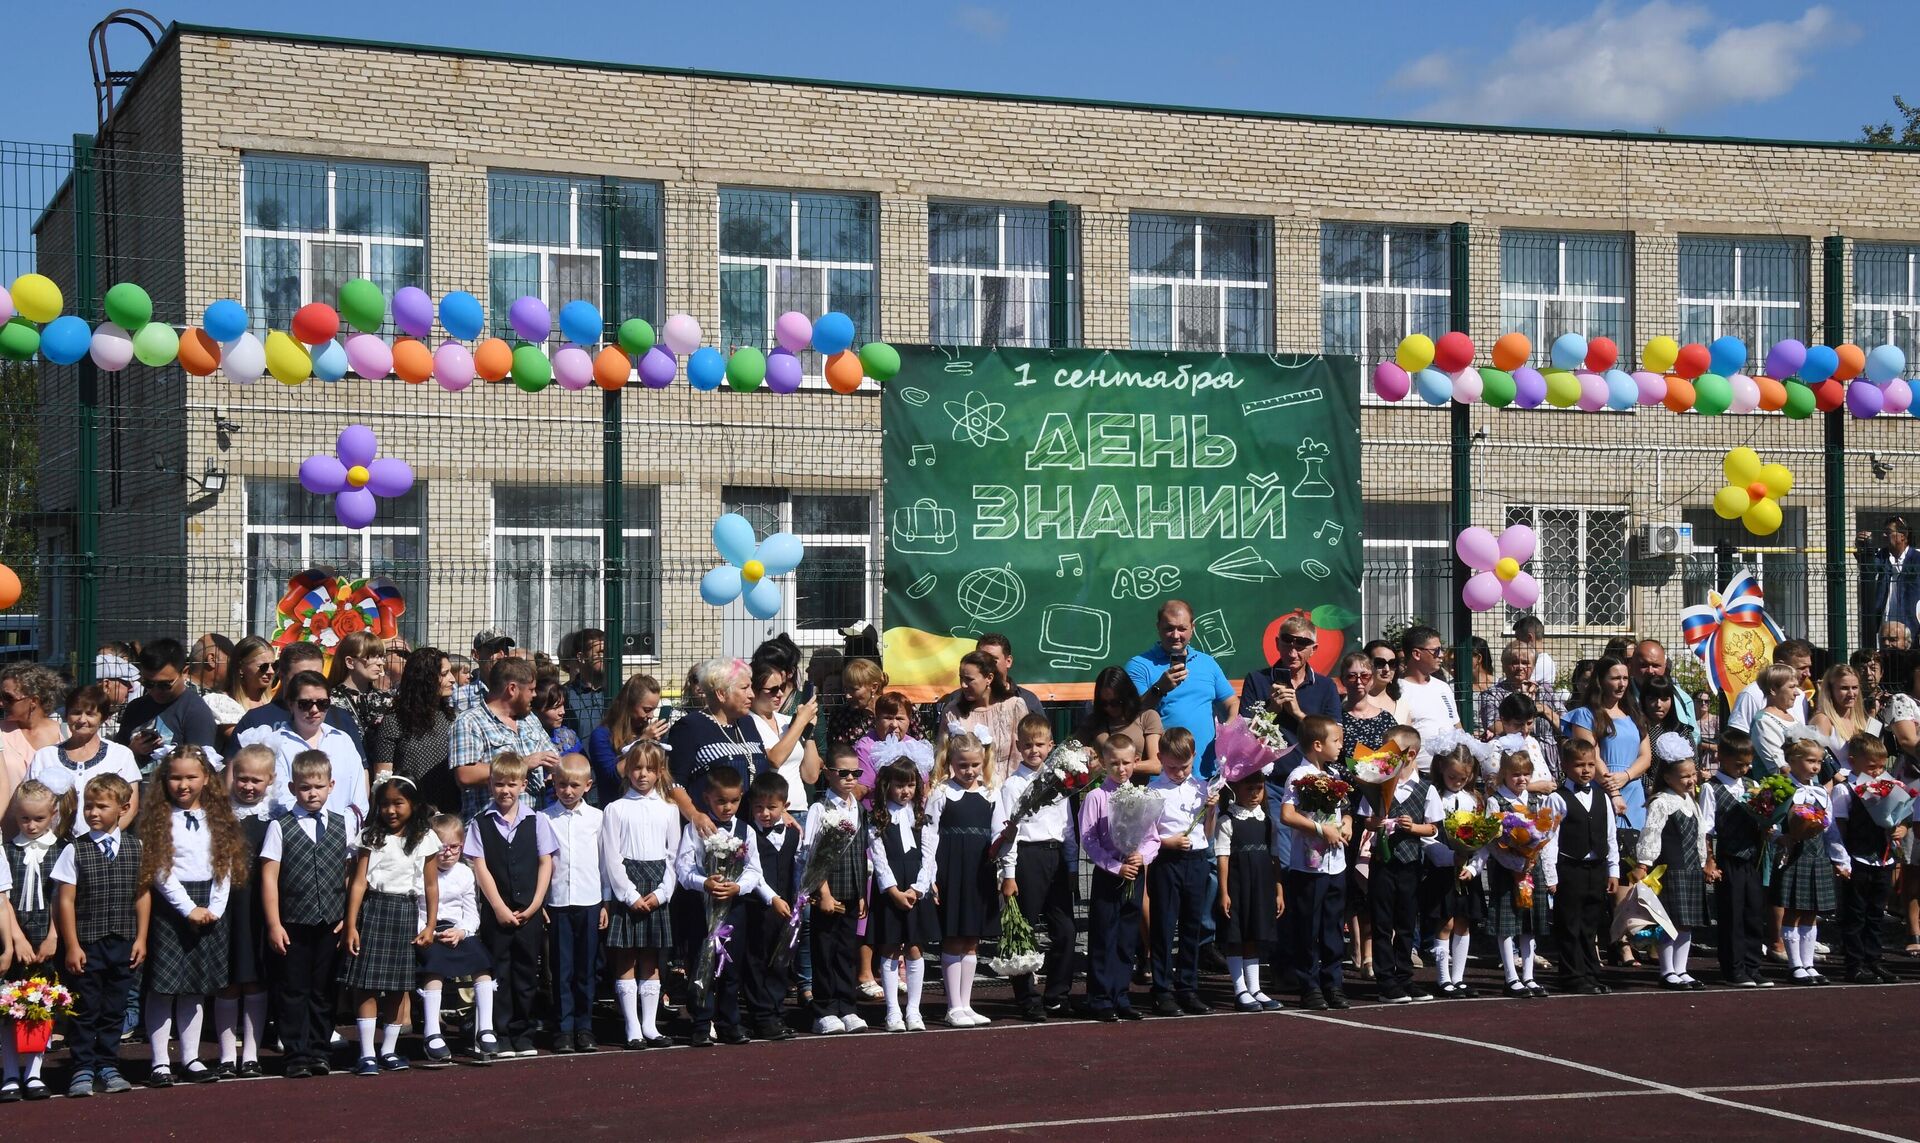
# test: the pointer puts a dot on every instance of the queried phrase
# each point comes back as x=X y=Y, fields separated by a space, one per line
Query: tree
x=19 y=470
x=1907 y=134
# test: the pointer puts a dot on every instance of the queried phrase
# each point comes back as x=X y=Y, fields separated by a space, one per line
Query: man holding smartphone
x=1186 y=687
x=168 y=712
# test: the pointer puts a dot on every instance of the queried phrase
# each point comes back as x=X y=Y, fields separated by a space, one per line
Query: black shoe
x=562 y=1043
x=225 y=1070
x=1336 y=999
x=197 y=1072
x=299 y=1069
x=1033 y=1014
x=1584 y=988
x=1104 y=1015
x=771 y=1030
x=160 y=1077
x=1603 y=987
x=1191 y=1004
x=733 y=1036
x=699 y=1039
x=1535 y=991
x=249 y=1069
x=1516 y=990
x=523 y=1046
x=1394 y=996
x=1885 y=976
x=10 y=1092
x=1313 y=1000
x=583 y=1041
x=1862 y=976
x=1164 y=1005
x=656 y=1041
x=1128 y=1014
x=320 y=1066
x=1446 y=991
x=36 y=1090
x=636 y=1045
x=1417 y=994
x=1463 y=992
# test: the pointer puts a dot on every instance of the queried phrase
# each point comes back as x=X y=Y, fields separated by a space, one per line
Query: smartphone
x=1177 y=658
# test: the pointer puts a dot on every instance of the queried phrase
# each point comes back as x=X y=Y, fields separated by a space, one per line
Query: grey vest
x=313 y=886
x=104 y=890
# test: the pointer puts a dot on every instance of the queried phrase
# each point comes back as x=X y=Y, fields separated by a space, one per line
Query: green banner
x=1059 y=497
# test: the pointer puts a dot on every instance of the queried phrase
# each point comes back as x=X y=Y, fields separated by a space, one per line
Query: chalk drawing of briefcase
x=923 y=527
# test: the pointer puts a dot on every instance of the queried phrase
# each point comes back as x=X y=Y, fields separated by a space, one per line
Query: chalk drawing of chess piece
x=989 y=596
x=1313 y=484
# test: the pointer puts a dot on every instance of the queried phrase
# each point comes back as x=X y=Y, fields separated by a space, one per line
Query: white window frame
x=810 y=379
x=1031 y=279
x=1892 y=312
x=330 y=237
x=789 y=619
x=1543 y=345
x=1220 y=286
x=1719 y=305
x=572 y=249
x=1372 y=296
x=1374 y=555
x=1582 y=562
x=307 y=533
x=550 y=640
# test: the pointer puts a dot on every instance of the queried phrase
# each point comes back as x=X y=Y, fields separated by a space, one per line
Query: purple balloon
x=369 y=356
x=1898 y=394
x=1786 y=358
x=413 y=311
x=530 y=318
x=389 y=477
x=783 y=371
x=1477 y=548
x=354 y=508
x=323 y=475
x=657 y=368
x=1529 y=387
x=1390 y=382
x=1517 y=543
x=356 y=445
x=1652 y=387
x=1865 y=399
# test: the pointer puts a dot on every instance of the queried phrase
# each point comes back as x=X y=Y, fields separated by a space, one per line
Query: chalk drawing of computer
x=1076 y=637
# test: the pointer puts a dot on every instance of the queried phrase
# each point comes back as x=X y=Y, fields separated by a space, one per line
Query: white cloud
x=1653 y=66
x=983 y=22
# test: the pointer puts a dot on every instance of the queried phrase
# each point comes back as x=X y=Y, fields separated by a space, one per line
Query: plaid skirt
x=388 y=924
x=1683 y=892
x=627 y=929
x=1805 y=882
x=184 y=959
x=1505 y=916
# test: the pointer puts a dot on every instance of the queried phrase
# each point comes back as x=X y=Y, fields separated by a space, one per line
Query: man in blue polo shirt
x=1185 y=686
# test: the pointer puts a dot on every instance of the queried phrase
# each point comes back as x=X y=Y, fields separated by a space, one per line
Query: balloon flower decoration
x=1753 y=491
x=323 y=607
x=750 y=568
x=1497 y=564
x=1732 y=634
x=353 y=477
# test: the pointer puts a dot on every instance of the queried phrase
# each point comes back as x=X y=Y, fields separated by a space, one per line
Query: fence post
x=1460 y=420
x=1059 y=292
x=86 y=500
x=613 y=543
x=1833 y=266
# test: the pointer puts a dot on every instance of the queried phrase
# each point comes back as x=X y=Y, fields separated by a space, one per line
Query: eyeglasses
x=8 y=700
x=846 y=773
x=1433 y=650
x=1358 y=675
x=1383 y=664
x=313 y=704
x=1301 y=642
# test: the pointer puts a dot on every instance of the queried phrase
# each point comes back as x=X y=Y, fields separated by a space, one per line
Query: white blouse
x=912 y=837
x=192 y=861
x=459 y=903
x=1666 y=804
x=393 y=868
x=637 y=828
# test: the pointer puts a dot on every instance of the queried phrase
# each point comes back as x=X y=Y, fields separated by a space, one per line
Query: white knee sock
x=430 y=1012
x=1507 y=962
x=1527 y=942
x=1666 y=956
x=916 y=983
x=1682 y=953
x=226 y=1025
x=1442 y=948
x=159 y=1015
x=34 y=1059
x=950 y=976
x=1790 y=937
x=191 y=1014
x=627 y=992
x=1809 y=945
x=1458 y=955
x=1250 y=975
x=482 y=1008
x=890 y=984
x=389 y=1039
x=364 y=1025
x=1237 y=972
x=968 y=964
x=253 y=1022
x=649 y=1007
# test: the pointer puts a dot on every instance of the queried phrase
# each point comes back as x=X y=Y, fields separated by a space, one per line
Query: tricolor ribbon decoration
x=1741 y=605
x=321 y=606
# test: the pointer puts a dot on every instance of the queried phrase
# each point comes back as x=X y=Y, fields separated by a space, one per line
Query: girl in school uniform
x=456 y=951
x=1676 y=836
x=960 y=814
x=1517 y=930
x=194 y=856
x=1804 y=882
x=902 y=919
x=1251 y=899
x=26 y=878
x=1450 y=896
x=639 y=843
x=397 y=867
x=240 y=1012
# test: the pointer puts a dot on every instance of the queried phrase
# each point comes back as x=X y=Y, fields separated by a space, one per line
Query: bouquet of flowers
x=1371 y=767
x=1019 y=955
x=1132 y=814
x=1467 y=832
x=33 y=1004
x=1805 y=821
x=1887 y=802
x=1247 y=746
x=839 y=829
x=1320 y=795
x=722 y=855
x=1068 y=770
x=1769 y=801
x=1524 y=835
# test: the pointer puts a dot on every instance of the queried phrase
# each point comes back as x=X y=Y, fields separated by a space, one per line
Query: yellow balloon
x=1415 y=352
x=1742 y=466
x=1763 y=519
x=1506 y=569
x=37 y=298
x=1660 y=354
x=287 y=359
x=1731 y=502
x=1563 y=388
x=1777 y=478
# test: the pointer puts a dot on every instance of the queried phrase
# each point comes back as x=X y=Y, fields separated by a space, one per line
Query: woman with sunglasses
x=789 y=742
x=29 y=694
x=309 y=698
x=1385 y=660
x=1364 y=718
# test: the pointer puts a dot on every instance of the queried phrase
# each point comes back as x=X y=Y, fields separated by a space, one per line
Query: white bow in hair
x=1673 y=747
x=915 y=750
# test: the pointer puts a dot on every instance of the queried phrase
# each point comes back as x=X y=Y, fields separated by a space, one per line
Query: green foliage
x=1906 y=133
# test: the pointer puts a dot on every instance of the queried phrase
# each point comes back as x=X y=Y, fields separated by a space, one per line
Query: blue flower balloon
x=748 y=574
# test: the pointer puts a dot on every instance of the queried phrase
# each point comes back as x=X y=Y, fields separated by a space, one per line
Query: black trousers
x=1046 y=900
x=1177 y=881
x=1312 y=933
x=835 y=942
x=763 y=990
x=100 y=1003
x=516 y=971
x=303 y=990
x=1393 y=897
x=1863 y=901
x=719 y=1001
x=573 y=944
x=1741 y=901
x=1580 y=915
x=1113 y=938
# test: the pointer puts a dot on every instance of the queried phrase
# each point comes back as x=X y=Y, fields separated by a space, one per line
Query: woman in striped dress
x=639 y=840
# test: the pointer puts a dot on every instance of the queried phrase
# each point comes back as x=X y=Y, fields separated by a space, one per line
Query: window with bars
x=841 y=584
x=1408 y=566
x=1886 y=297
x=290 y=530
x=1581 y=563
x=548 y=547
x=989 y=271
x=1555 y=282
x=309 y=225
x=1201 y=283
x=1723 y=547
x=1754 y=289
x=782 y=250
x=1379 y=284
x=547 y=234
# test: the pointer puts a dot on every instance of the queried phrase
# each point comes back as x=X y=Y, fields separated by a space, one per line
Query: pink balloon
x=1477 y=548
x=1522 y=590
x=1468 y=385
x=369 y=356
x=572 y=368
x=1746 y=393
x=453 y=366
x=6 y=305
x=1390 y=382
x=1593 y=391
x=1516 y=544
x=1482 y=591
x=1652 y=386
x=681 y=333
x=793 y=330
x=1898 y=395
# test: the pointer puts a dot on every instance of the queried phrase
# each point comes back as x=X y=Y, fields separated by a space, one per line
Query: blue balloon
x=1623 y=392
x=66 y=339
x=706 y=369
x=460 y=313
x=1883 y=364
x=329 y=360
x=733 y=537
x=224 y=320
x=1820 y=363
x=1570 y=351
x=1435 y=387
x=833 y=333
x=1728 y=356
x=580 y=322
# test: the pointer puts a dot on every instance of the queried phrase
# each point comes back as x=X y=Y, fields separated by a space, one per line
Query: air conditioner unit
x=1670 y=538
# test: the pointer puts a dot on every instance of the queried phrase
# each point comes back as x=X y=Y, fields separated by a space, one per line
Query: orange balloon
x=199 y=353
x=611 y=368
x=1773 y=394
x=1852 y=360
x=493 y=359
x=9 y=587
x=1511 y=351
x=1679 y=393
x=844 y=371
x=412 y=362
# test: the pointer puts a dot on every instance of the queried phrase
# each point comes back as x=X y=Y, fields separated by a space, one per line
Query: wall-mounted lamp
x=214 y=481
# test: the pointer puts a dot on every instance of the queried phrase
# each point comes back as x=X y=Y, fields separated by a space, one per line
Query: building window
x=1553 y=283
x=547 y=557
x=842 y=573
x=290 y=530
x=988 y=274
x=1581 y=563
x=1723 y=547
x=1886 y=297
x=546 y=235
x=1201 y=283
x=783 y=251
x=309 y=225
x=1379 y=284
x=1408 y=567
x=1754 y=289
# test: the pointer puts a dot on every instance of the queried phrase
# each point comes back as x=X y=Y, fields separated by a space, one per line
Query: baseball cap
x=491 y=637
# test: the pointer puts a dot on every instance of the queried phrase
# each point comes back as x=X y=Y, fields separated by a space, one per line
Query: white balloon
x=244 y=359
x=111 y=347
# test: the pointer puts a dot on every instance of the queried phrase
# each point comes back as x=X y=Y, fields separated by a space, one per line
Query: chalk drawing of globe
x=992 y=595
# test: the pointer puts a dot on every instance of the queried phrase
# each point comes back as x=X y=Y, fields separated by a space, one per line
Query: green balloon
x=363 y=305
x=1800 y=403
x=156 y=344
x=1497 y=388
x=746 y=368
x=880 y=360
x=1712 y=394
x=129 y=307
x=1563 y=388
x=636 y=336
x=19 y=340
x=531 y=369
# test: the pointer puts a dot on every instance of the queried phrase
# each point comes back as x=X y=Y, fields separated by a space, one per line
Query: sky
x=1716 y=67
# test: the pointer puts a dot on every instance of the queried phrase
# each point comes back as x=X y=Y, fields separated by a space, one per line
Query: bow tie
x=777 y=835
x=193 y=823
x=1582 y=787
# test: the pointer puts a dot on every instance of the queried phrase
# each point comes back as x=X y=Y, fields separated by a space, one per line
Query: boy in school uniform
x=769 y=908
x=1873 y=850
x=511 y=850
x=576 y=909
x=1735 y=846
x=1314 y=875
x=839 y=903
x=1177 y=879
x=1582 y=867
x=1037 y=861
x=1113 y=911
x=718 y=1004
x=1399 y=862
x=102 y=912
x=306 y=857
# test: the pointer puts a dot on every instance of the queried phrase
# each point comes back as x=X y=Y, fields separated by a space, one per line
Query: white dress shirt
x=690 y=865
x=66 y=868
x=576 y=864
x=637 y=828
x=1595 y=800
x=273 y=845
x=192 y=861
x=349 y=797
x=900 y=822
x=51 y=768
x=1183 y=810
x=1307 y=852
x=459 y=900
x=1053 y=822
x=393 y=868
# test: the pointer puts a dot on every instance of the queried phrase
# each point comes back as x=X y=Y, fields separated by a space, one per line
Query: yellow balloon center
x=358 y=476
x=752 y=571
x=1757 y=490
x=1507 y=568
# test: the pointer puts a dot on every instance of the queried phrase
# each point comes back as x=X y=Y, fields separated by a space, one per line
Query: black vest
x=104 y=890
x=1736 y=835
x=515 y=865
x=313 y=888
x=1405 y=847
x=1863 y=836
x=776 y=862
x=904 y=866
x=1583 y=832
x=847 y=879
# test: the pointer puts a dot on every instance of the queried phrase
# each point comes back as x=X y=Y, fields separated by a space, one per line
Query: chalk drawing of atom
x=977 y=420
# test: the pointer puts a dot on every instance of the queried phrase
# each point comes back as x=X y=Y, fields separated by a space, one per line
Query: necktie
x=106 y=847
x=193 y=823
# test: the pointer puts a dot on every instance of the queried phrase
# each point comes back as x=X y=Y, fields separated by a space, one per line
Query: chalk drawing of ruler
x=1267 y=404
